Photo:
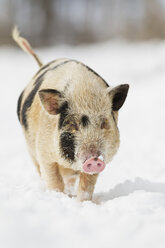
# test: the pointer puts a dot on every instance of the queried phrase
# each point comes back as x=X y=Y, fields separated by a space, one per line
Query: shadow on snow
x=128 y=187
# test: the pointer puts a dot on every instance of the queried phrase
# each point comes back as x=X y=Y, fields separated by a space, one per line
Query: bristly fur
x=67 y=143
x=63 y=113
x=63 y=131
x=29 y=100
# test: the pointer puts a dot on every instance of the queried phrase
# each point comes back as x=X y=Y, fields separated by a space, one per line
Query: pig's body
x=69 y=117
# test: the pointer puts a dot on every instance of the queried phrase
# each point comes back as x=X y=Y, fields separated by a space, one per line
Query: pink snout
x=93 y=165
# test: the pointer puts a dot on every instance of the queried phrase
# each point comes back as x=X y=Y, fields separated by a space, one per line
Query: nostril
x=89 y=166
x=99 y=165
x=93 y=166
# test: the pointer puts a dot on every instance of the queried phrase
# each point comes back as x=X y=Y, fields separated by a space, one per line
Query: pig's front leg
x=86 y=186
x=69 y=176
x=51 y=175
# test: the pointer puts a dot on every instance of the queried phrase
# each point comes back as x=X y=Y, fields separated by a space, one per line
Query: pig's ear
x=118 y=95
x=51 y=100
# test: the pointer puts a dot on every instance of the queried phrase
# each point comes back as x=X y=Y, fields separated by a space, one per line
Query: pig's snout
x=93 y=165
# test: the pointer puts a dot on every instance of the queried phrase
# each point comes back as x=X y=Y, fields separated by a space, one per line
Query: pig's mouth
x=94 y=165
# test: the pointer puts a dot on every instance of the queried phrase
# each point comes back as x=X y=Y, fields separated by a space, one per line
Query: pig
x=69 y=116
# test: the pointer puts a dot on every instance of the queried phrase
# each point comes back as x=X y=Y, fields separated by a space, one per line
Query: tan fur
x=69 y=176
x=87 y=94
x=51 y=175
x=86 y=186
x=43 y=136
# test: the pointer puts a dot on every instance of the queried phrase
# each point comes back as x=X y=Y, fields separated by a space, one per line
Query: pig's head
x=86 y=136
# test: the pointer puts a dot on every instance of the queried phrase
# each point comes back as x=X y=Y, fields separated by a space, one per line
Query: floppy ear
x=118 y=95
x=51 y=100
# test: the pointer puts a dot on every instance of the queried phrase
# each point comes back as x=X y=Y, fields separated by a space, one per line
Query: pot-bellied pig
x=69 y=117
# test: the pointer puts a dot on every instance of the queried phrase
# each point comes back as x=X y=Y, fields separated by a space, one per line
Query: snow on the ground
x=128 y=209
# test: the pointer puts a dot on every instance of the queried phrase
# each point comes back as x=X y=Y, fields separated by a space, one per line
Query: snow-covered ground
x=128 y=209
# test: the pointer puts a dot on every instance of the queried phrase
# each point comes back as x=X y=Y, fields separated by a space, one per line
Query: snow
x=128 y=208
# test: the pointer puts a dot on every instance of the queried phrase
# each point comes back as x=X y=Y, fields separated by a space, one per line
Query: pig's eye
x=73 y=127
x=84 y=120
x=105 y=124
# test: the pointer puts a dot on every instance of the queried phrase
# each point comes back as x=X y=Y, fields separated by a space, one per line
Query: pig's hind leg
x=86 y=186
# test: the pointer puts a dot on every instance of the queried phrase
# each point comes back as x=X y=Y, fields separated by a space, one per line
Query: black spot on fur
x=51 y=69
x=90 y=70
x=97 y=75
x=41 y=76
x=19 y=105
x=68 y=61
x=63 y=113
x=67 y=144
x=85 y=120
x=45 y=66
x=63 y=63
x=29 y=100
